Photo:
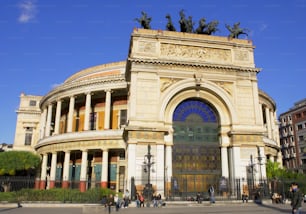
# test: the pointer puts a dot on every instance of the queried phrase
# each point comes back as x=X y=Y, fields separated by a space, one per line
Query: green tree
x=286 y=176
x=273 y=169
x=18 y=162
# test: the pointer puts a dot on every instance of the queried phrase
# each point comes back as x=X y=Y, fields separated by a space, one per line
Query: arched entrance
x=196 y=158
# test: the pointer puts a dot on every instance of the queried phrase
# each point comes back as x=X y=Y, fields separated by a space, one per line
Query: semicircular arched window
x=196 y=154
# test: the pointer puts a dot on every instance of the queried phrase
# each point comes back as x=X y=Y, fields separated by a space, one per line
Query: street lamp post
x=260 y=164
x=148 y=165
x=261 y=183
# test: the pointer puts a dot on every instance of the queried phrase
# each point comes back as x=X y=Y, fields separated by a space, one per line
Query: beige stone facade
x=98 y=124
x=27 y=126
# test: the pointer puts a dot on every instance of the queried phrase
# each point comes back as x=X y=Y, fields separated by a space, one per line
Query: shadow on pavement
x=280 y=209
x=7 y=209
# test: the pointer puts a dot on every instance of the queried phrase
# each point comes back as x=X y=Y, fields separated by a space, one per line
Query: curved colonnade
x=81 y=132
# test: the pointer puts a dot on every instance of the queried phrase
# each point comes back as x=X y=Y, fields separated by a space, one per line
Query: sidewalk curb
x=132 y=205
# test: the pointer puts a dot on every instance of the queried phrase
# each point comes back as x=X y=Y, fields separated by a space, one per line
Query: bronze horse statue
x=211 y=28
x=186 y=24
x=169 y=25
x=235 y=31
x=144 y=21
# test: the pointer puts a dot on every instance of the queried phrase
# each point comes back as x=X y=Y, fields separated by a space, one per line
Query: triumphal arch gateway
x=181 y=113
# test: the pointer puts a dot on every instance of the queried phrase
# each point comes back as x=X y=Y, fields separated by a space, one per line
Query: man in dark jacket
x=296 y=198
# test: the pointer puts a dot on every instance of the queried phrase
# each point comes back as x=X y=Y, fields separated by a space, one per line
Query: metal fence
x=15 y=183
x=187 y=190
x=223 y=189
x=232 y=190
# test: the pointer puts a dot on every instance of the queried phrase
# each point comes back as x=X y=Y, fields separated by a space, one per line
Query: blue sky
x=43 y=42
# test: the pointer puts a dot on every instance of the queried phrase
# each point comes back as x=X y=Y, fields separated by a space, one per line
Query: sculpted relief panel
x=193 y=52
x=166 y=83
x=227 y=86
x=146 y=47
x=241 y=55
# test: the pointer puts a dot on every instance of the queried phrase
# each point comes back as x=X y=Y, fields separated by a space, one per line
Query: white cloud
x=55 y=85
x=28 y=11
x=263 y=27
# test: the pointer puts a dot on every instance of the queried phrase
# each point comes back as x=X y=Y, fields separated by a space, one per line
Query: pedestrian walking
x=211 y=192
x=296 y=198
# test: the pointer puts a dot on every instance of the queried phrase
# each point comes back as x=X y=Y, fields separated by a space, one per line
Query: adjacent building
x=293 y=137
x=181 y=113
x=5 y=147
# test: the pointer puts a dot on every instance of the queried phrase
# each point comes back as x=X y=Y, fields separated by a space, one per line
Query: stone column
x=43 y=175
x=169 y=161
x=49 y=118
x=83 y=177
x=131 y=164
x=272 y=124
x=43 y=123
x=58 y=116
x=262 y=163
x=53 y=170
x=224 y=162
x=87 y=111
x=277 y=138
x=268 y=122
x=107 y=109
x=65 y=183
x=257 y=112
x=261 y=113
x=160 y=168
x=168 y=170
x=104 y=176
x=237 y=162
x=70 y=114
x=224 y=142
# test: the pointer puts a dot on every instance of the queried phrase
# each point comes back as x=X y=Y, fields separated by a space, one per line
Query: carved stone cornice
x=82 y=145
x=73 y=88
x=193 y=64
x=81 y=136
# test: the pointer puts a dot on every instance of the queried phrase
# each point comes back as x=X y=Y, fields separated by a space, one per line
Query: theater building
x=192 y=99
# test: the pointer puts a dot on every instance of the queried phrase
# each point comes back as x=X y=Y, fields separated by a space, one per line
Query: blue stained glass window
x=188 y=107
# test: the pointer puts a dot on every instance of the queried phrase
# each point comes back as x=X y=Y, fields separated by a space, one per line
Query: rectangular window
x=93 y=120
x=301 y=138
x=123 y=117
x=32 y=102
x=299 y=127
x=28 y=136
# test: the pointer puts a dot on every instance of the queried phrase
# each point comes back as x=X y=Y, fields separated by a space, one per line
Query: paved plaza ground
x=228 y=208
